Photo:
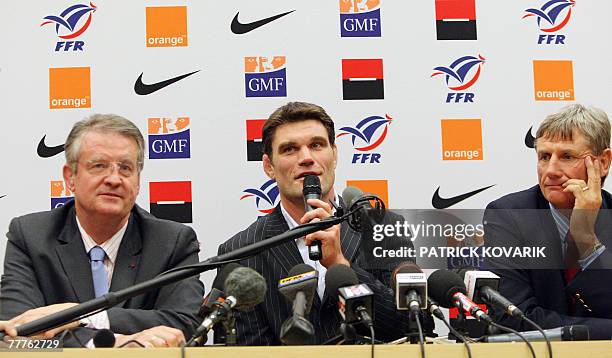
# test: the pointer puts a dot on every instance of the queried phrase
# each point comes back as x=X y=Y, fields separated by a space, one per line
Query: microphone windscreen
x=443 y=284
x=247 y=286
x=406 y=267
x=219 y=281
x=462 y=270
x=575 y=333
x=312 y=185
x=350 y=194
x=339 y=275
x=104 y=338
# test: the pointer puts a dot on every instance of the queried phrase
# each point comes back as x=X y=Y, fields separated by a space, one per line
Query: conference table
x=595 y=349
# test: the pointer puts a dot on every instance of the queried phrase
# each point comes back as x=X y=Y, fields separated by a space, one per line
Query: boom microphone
x=368 y=216
x=312 y=190
x=565 y=333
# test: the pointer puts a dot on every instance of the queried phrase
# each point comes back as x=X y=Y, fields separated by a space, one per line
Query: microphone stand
x=111 y=299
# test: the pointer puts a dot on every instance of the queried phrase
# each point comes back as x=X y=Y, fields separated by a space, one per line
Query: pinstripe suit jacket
x=261 y=325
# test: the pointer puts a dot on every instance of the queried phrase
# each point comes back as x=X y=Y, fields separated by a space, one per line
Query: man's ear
x=335 y=149
x=604 y=161
x=267 y=166
x=68 y=177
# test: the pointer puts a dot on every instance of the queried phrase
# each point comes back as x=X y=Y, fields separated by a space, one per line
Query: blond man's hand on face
x=586 y=206
x=330 y=238
x=40 y=312
x=160 y=336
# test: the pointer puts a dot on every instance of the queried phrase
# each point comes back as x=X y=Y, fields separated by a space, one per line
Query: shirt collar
x=110 y=246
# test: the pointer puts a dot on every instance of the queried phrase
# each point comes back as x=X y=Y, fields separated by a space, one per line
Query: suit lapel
x=287 y=254
x=128 y=258
x=74 y=259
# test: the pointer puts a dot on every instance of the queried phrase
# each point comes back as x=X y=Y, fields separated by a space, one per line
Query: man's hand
x=8 y=328
x=586 y=207
x=36 y=313
x=160 y=336
x=330 y=238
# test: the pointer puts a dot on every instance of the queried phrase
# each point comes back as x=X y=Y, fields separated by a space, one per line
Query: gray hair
x=592 y=122
x=102 y=123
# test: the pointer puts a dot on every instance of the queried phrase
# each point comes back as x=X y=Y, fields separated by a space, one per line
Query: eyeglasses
x=104 y=167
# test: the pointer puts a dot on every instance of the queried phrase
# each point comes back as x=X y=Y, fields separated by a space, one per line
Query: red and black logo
x=362 y=79
x=171 y=200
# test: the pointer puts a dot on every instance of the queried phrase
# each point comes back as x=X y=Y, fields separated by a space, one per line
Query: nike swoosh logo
x=529 y=139
x=240 y=29
x=47 y=152
x=145 y=89
x=443 y=203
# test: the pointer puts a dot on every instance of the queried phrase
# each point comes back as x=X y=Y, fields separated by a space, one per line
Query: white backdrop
x=214 y=98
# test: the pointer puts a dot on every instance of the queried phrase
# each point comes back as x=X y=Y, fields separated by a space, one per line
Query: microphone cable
x=536 y=326
x=519 y=334
x=420 y=329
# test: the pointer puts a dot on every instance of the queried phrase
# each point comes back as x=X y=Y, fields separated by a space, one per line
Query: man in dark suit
x=568 y=214
x=101 y=241
x=298 y=140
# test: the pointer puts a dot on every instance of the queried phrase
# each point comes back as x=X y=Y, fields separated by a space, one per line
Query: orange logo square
x=553 y=80
x=379 y=188
x=59 y=190
x=461 y=139
x=167 y=26
x=69 y=87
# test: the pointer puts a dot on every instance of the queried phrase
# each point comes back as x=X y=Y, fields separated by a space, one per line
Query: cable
x=421 y=339
x=536 y=326
x=372 y=339
x=510 y=330
x=132 y=341
x=463 y=338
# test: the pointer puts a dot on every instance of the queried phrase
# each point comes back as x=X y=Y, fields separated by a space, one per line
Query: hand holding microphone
x=329 y=239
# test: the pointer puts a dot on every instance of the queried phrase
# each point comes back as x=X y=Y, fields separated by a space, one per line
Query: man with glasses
x=569 y=215
x=100 y=242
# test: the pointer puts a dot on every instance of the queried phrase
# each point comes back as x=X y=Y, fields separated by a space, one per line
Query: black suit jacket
x=537 y=286
x=261 y=325
x=46 y=263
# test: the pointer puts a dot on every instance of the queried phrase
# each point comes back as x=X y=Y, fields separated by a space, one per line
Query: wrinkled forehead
x=573 y=139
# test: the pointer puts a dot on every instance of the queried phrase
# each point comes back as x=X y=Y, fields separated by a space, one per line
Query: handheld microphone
x=482 y=287
x=410 y=287
x=447 y=288
x=104 y=338
x=312 y=190
x=299 y=288
x=354 y=300
x=244 y=288
x=565 y=333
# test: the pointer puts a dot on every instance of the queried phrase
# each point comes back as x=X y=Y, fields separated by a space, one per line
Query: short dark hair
x=295 y=112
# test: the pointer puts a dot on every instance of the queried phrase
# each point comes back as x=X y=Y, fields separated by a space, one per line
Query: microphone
x=368 y=216
x=312 y=190
x=354 y=299
x=447 y=288
x=104 y=338
x=216 y=294
x=410 y=287
x=565 y=333
x=244 y=288
x=299 y=288
x=482 y=287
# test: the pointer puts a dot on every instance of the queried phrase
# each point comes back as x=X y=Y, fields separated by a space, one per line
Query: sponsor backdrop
x=433 y=100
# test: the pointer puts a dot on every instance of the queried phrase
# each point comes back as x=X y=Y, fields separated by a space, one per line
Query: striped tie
x=98 y=271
